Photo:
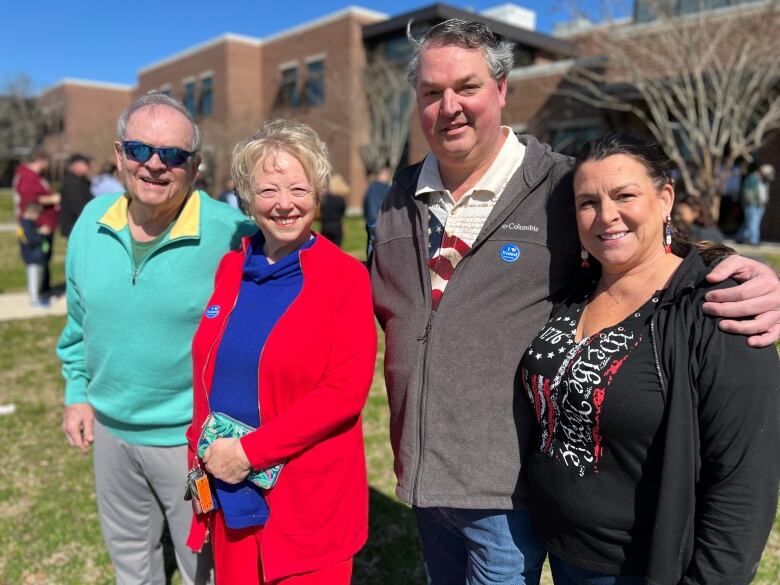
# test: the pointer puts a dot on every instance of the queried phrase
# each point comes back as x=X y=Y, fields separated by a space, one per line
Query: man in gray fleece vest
x=472 y=247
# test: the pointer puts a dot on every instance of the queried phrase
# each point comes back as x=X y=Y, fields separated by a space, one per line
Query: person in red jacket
x=30 y=187
x=287 y=346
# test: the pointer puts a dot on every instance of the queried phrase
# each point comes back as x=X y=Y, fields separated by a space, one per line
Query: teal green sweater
x=126 y=346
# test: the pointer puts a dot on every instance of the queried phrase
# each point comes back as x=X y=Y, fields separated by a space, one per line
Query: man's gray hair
x=469 y=35
x=157 y=99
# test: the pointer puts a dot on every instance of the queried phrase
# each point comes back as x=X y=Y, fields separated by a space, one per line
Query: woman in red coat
x=287 y=346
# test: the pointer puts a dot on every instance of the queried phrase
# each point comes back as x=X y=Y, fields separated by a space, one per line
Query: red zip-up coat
x=314 y=375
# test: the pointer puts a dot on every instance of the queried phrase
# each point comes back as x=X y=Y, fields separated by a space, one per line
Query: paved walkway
x=762 y=248
x=17 y=306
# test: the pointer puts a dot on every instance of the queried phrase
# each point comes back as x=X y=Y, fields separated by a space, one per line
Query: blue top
x=266 y=292
x=31 y=242
x=375 y=196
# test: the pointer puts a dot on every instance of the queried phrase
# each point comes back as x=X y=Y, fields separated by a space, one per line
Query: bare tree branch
x=21 y=120
x=705 y=84
x=389 y=100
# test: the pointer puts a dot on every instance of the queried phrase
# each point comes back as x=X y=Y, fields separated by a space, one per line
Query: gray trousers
x=34 y=281
x=138 y=488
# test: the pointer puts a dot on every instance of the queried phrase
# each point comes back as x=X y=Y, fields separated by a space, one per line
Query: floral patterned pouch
x=218 y=425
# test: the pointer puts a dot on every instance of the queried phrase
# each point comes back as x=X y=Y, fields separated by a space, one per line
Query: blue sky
x=110 y=41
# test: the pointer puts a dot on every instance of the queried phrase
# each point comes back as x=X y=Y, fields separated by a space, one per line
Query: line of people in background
x=36 y=208
x=39 y=211
x=754 y=199
x=744 y=197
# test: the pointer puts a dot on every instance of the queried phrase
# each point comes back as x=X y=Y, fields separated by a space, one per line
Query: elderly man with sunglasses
x=140 y=268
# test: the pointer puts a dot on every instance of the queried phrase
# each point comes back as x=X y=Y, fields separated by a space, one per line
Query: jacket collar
x=537 y=162
x=538 y=159
x=688 y=276
x=187 y=225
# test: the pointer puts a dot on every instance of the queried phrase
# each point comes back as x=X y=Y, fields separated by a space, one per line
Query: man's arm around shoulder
x=753 y=307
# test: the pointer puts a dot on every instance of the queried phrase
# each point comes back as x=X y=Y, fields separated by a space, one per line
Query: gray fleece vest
x=460 y=423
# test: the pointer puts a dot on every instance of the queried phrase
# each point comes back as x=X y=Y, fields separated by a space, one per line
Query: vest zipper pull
x=424 y=336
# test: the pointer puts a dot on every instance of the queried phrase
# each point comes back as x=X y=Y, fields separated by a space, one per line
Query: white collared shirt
x=479 y=201
x=454 y=226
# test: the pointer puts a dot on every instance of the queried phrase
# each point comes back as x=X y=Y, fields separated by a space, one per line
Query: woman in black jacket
x=332 y=209
x=656 y=461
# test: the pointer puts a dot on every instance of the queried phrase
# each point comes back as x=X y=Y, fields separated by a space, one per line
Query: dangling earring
x=668 y=234
x=584 y=256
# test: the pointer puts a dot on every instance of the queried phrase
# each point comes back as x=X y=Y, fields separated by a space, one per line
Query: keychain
x=198 y=487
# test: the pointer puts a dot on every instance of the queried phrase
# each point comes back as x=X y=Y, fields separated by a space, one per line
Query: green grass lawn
x=6 y=206
x=12 y=276
x=49 y=530
x=773 y=260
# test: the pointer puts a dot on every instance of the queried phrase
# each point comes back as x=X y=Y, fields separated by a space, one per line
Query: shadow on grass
x=391 y=555
x=169 y=557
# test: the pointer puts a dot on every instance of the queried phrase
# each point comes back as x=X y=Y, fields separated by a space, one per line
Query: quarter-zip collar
x=186 y=225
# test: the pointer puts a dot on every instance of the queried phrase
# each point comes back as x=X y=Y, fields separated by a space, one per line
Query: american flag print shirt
x=453 y=227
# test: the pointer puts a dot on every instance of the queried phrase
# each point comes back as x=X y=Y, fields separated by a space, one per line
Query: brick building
x=80 y=117
x=532 y=51
x=310 y=73
x=314 y=73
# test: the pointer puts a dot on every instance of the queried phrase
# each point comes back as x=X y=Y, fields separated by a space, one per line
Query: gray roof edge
x=444 y=11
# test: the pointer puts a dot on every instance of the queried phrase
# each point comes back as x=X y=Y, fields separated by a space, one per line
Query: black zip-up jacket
x=75 y=194
x=720 y=468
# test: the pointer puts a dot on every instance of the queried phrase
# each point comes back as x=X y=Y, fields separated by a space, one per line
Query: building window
x=189 y=96
x=648 y=11
x=206 y=96
x=398 y=49
x=53 y=122
x=523 y=57
x=288 y=92
x=314 y=90
x=572 y=135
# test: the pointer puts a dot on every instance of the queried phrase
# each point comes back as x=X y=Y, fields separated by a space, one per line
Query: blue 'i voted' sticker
x=212 y=311
x=510 y=253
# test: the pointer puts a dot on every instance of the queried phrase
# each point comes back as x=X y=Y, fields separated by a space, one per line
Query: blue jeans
x=565 y=574
x=750 y=231
x=479 y=547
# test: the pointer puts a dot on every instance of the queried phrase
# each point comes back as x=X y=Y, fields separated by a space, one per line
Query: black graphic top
x=594 y=471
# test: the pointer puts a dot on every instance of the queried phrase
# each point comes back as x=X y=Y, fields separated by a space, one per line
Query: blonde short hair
x=294 y=138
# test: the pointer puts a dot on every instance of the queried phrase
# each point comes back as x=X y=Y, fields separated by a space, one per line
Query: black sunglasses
x=170 y=156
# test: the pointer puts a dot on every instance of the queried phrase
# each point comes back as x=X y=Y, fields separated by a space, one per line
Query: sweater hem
x=516 y=502
x=145 y=435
